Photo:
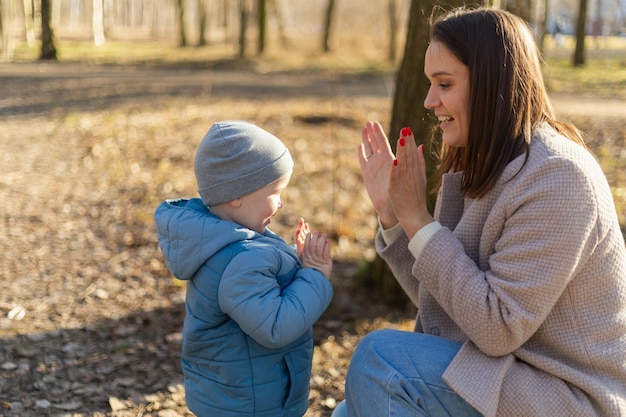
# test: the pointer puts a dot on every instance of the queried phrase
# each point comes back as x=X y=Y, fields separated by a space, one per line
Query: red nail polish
x=422 y=149
x=401 y=141
x=395 y=162
x=406 y=131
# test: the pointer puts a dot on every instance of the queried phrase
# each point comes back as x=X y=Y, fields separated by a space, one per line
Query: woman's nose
x=430 y=102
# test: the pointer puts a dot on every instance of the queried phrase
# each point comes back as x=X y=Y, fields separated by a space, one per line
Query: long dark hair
x=508 y=98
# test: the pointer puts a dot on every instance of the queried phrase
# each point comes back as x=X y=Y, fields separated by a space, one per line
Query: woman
x=520 y=276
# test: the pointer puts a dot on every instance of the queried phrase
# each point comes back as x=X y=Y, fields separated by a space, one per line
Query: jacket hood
x=189 y=235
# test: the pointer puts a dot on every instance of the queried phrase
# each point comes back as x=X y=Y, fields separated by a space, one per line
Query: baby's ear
x=236 y=203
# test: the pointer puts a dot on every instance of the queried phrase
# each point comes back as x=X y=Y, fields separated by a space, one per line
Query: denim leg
x=340 y=410
x=396 y=373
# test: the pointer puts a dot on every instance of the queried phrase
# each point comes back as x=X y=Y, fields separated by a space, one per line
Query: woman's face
x=448 y=95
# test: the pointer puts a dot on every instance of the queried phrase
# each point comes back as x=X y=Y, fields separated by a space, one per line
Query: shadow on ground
x=93 y=369
x=131 y=365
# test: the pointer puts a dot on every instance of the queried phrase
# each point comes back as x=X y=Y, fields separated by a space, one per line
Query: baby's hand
x=300 y=235
x=316 y=253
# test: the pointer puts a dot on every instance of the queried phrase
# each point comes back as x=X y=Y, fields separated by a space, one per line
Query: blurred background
x=274 y=24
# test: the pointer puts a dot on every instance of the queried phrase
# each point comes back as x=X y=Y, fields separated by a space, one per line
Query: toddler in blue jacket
x=251 y=298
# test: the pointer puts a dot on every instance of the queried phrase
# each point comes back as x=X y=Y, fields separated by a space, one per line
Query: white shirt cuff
x=418 y=242
x=389 y=235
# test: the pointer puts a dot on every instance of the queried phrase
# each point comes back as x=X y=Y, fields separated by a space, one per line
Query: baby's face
x=257 y=208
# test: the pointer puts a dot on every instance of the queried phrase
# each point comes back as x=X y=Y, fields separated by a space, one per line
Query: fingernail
x=422 y=149
x=406 y=131
x=401 y=141
x=395 y=162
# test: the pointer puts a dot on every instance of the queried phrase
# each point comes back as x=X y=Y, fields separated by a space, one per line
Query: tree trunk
x=393 y=30
x=544 y=24
x=328 y=19
x=276 y=8
x=243 y=25
x=521 y=8
x=2 y=38
x=9 y=17
x=579 y=51
x=202 y=22
x=48 y=50
x=181 y=22
x=98 y=22
x=262 y=16
x=29 y=22
x=408 y=110
x=411 y=82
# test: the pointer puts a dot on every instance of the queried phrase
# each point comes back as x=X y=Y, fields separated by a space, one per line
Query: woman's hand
x=407 y=185
x=376 y=159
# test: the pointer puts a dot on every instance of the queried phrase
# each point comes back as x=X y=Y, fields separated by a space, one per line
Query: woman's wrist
x=387 y=219
x=420 y=239
x=412 y=224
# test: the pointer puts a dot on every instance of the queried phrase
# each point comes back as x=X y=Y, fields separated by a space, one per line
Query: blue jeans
x=396 y=373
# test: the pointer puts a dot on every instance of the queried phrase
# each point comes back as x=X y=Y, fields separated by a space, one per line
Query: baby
x=251 y=298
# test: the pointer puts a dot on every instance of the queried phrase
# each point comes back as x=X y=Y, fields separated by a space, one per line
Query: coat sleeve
x=546 y=227
x=250 y=294
x=400 y=263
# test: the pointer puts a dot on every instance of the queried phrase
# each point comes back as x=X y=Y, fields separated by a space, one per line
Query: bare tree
x=408 y=110
x=543 y=24
x=243 y=26
x=202 y=20
x=98 y=22
x=411 y=82
x=276 y=9
x=48 y=49
x=2 y=38
x=29 y=21
x=522 y=8
x=393 y=29
x=9 y=15
x=180 y=6
x=328 y=19
x=579 y=51
x=262 y=22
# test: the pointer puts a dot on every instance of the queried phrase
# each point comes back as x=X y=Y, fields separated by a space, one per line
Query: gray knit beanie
x=236 y=158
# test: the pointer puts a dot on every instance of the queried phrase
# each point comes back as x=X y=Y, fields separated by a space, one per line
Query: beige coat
x=532 y=278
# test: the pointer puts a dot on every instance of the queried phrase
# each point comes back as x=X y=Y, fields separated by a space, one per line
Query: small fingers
x=317 y=246
x=326 y=249
x=321 y=245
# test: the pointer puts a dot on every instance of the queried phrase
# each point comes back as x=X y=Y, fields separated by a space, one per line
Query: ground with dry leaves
x=90 y=318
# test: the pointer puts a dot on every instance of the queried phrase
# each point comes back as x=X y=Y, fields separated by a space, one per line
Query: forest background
x=90 y=317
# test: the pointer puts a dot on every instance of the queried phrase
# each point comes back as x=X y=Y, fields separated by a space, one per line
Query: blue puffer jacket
x=247 y=337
